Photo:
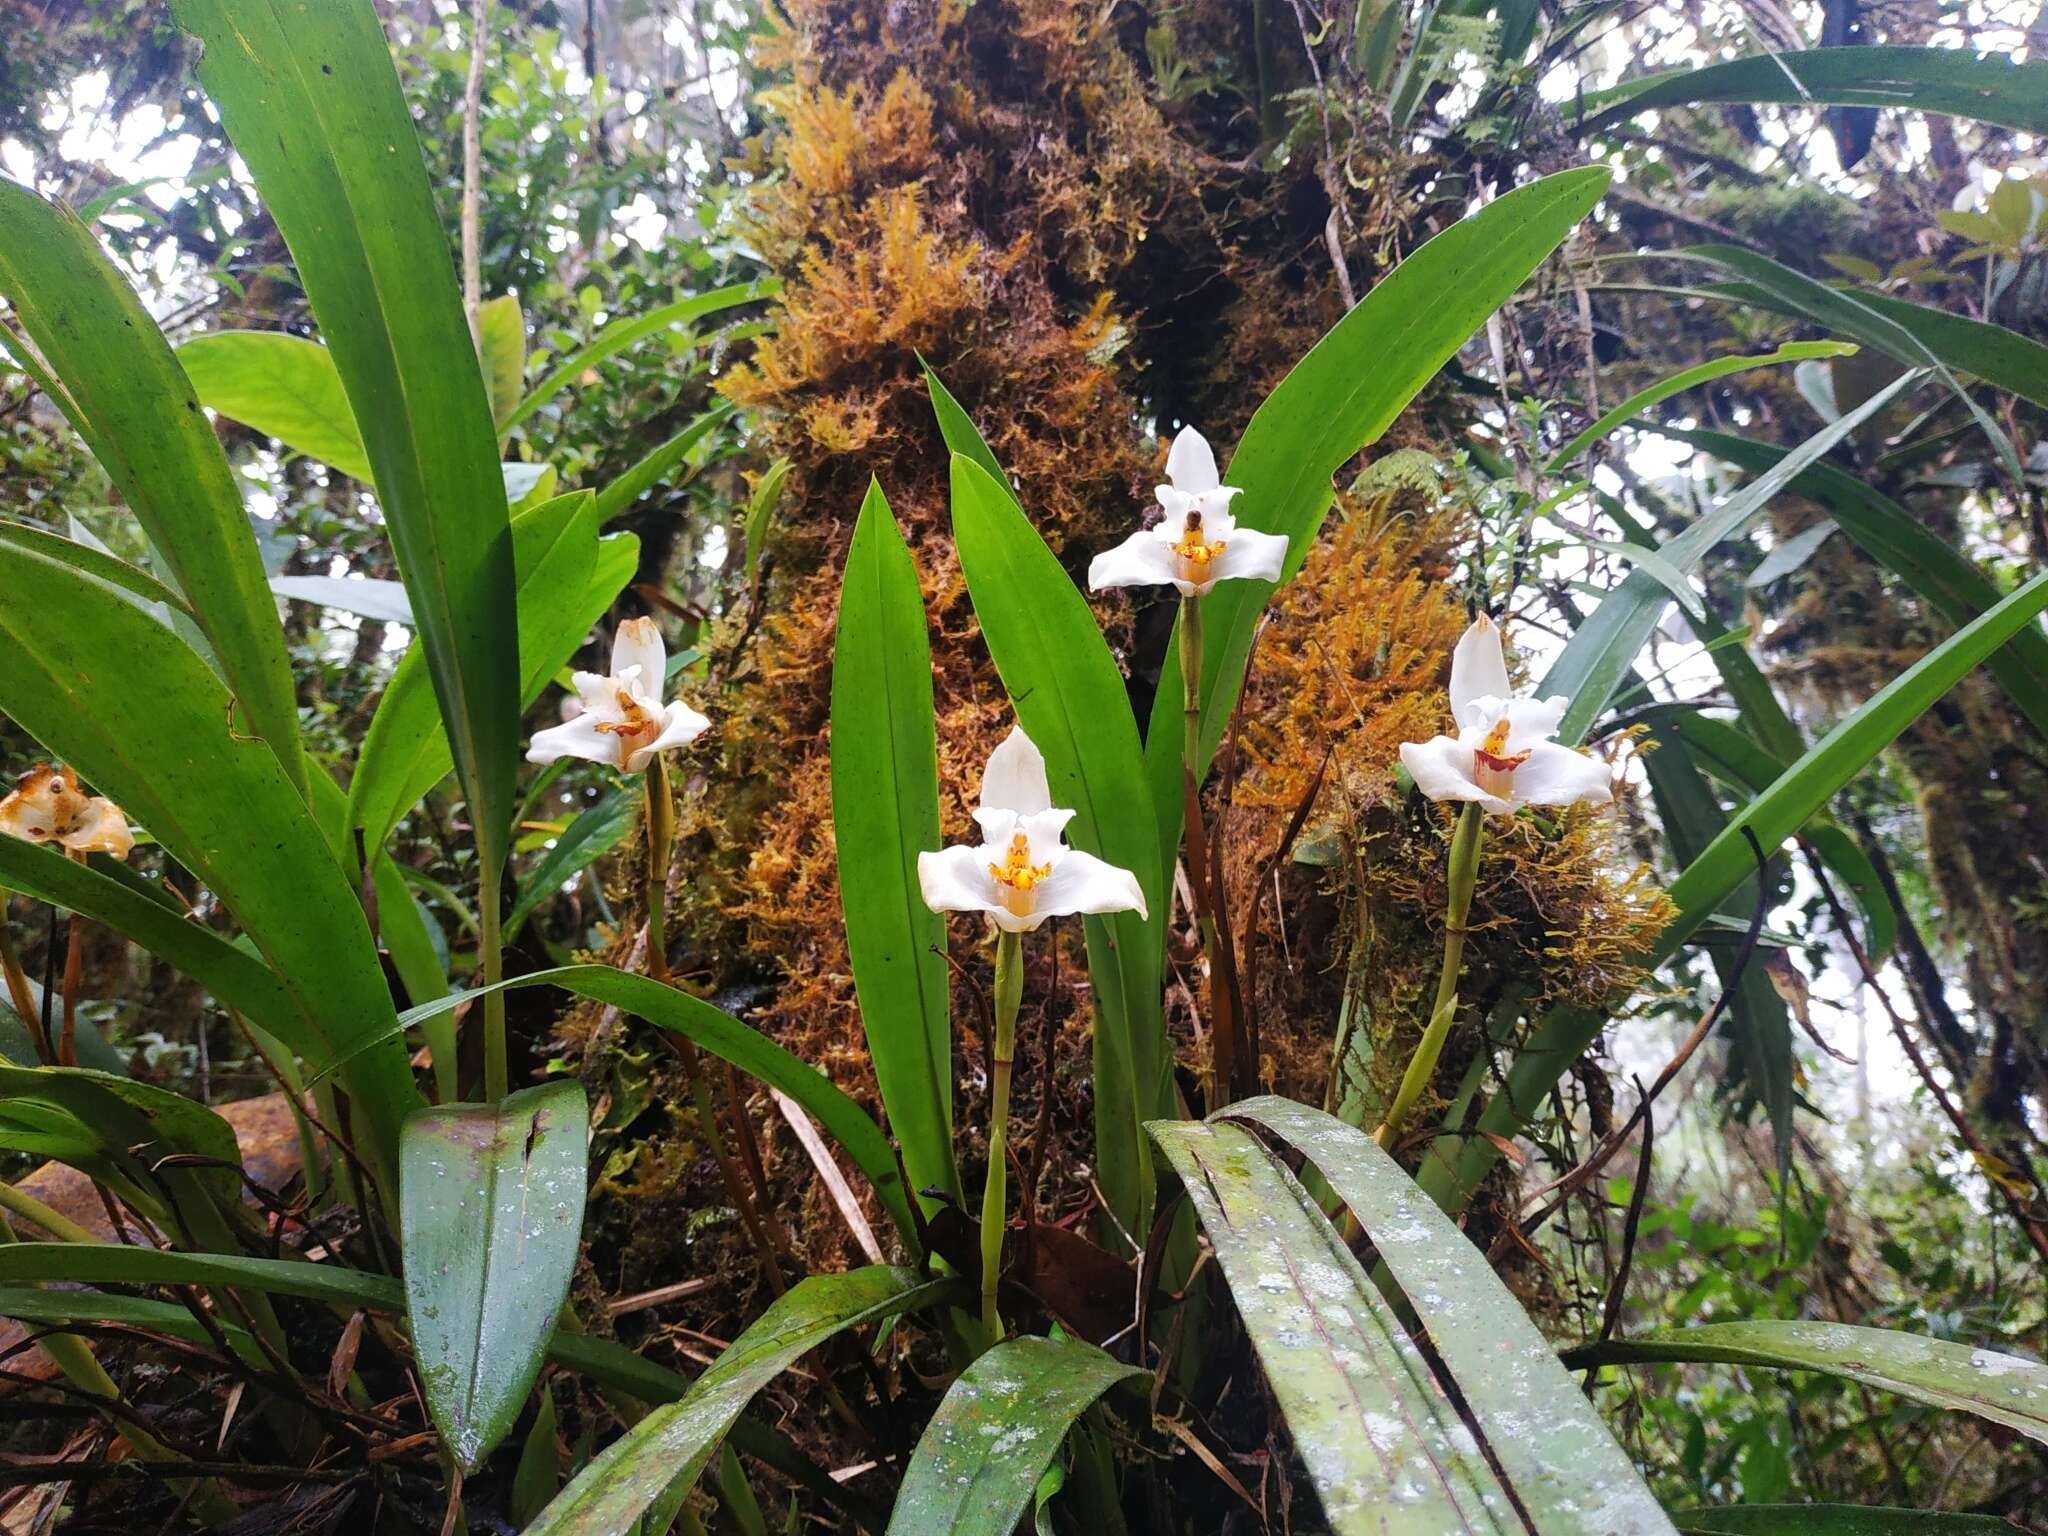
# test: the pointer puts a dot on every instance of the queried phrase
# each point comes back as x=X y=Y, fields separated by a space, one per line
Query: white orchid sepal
x=1197 y=543
x=47 y=806
x=1022 y=872
x=1503 y=757
x=623 y=721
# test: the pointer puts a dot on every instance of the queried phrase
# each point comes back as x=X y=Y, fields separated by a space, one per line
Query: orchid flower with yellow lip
x=1022 y=872
x=47 y=806
x=1198 y=542
x=623 y=721
x=1502 y=757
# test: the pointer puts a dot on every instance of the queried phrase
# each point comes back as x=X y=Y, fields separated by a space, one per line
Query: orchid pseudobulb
x=1502 y=757
x=47 y=806
x=623 y=721
x=1198 y=543
x=1022 y=872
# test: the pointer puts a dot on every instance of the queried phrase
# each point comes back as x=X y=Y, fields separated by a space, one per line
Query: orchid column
x=1501 y=760
x=1020 y=874
x=1195 y=544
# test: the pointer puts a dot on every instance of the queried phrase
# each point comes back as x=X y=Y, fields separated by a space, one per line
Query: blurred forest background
x=1098 y=219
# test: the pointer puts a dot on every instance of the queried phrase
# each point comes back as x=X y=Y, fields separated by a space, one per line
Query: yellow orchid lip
x=638 y=726
x=1017 y=875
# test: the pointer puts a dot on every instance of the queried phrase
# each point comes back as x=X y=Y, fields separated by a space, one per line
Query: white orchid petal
x=1217 y=523
x=1015 y=777
x=1532 y=722
x=1557 y=775
x=997 y=823
x=575 y=738
x=638 y=644
x=1080 y=882
x=680 y=725
x=1190 y=464
x=101 y=828
x=1142 y=560
x=599 y=693
x=956 y=879
x=1442 y=769
x=1249 y=555
x=1045 y=831
x=1478 y=668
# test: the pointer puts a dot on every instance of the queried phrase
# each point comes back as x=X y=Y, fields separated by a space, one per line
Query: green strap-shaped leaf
x=309 y=97
x=1890 y=534
x=728 y=1039
x=235 y=978
x=1834 y=1520
x=885 y=810
x=588 y=838
x=1604 y=648
x=283 y=386
x=636 y=482
x=1385 y=1449
x=1562 y=1035
x=1564 y=1465
x=1070 y=699
x=621 y=334
x=1757 y=1025
x=143 y=719
x=674 y=1442
x=1780 y=287
x=490 y=1206
x=1950 y=81
x=568 y=577
x=1690 y=378
x=104 y=363
x=2004 y=1388
x=1338 y=399
x=996 y=1431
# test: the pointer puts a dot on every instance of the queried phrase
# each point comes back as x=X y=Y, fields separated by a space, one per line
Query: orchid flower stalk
x=1195 y=544
x=1021 y=873
x=1501 y=760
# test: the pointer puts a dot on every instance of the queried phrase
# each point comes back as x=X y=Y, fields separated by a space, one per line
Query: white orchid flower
x=623 y=721
x=1502 y=757
x=1198 y=542
x=47 y=806
x=1022 y=872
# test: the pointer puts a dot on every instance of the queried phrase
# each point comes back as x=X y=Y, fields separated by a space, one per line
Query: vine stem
x=1464 y=875
x=1002 y=1056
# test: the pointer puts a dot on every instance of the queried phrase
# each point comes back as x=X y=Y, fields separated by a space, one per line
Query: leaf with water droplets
x=490 y=1202
x=995 y=1433
x=2006 y=1389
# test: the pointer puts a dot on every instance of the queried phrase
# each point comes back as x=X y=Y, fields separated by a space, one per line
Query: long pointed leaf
x=310 y=99
x=1385 y=1449
x=1564 y=1465
x=674 y=1442
x=283 y=386
x=885 y=809
x=1603 y=649
x=1952 y=81
x=1070 y=698
x=129 y=704
x=2006 y=1389
x=106 y=366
